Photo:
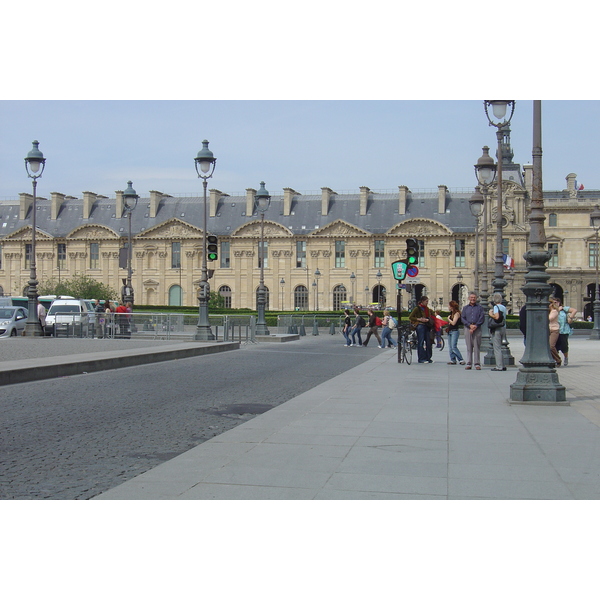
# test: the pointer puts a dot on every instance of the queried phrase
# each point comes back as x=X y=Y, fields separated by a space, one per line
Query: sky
x=98 y=145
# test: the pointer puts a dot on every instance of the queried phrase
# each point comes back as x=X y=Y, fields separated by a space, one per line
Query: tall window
x=61 y=256
x=553 y=249
x=421 y=261
x=340 y=254
x=264 y=254
x=339 y=296
x=592 y=254
x=94 y=255
x=379 y=254
x=225 y=293
x=459 y=253
x=225 y=256
x=505 y=246
x=175 y=255
x=301 y=255
x=27 y=256
x=552 y=220
x=301 y=297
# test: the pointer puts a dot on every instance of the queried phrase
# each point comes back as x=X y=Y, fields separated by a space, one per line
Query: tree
x=216 y=300
x=79 y=286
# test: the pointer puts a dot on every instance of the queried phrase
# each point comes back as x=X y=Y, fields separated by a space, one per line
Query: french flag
x=509 y=262
x=578 y=186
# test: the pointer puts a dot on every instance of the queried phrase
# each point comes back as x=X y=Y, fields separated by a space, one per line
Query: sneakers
x=496 y=369
x=566 y=361
x=462 y=362
x=451 y=363
x=380 y=346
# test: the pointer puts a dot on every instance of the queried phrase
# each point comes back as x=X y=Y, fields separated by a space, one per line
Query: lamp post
x=476 y=205
x=595 y=333
x=316 y=285
x=537 y=380
x=282 y=284
x=34 y=165
x=378 y=276
x=459 y=295
x=352 y=281
x=500 y=122
x=485 y=170
x=130 y=200
x=263 y=200
x=366 y=294
x=205 y=167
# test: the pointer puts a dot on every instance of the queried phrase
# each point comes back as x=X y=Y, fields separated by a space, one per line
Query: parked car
x=12 y=320
x=68 y=317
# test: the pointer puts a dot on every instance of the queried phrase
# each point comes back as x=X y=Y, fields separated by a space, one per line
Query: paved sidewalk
x=390 y=431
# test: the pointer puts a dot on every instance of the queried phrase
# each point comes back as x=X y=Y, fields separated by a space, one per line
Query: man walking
x=472 y=317
x=422 y=318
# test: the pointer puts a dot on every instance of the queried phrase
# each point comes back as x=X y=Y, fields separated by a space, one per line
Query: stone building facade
x=350 y=239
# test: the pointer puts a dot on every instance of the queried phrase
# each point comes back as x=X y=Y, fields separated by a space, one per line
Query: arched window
x=225 y=293
x=552 y=220
x=266 y=297
x=175 y=295
x=339 y=296
x=301 y=297
x=379 y=295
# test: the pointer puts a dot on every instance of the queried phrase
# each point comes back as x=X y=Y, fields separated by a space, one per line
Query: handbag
x=493 y=324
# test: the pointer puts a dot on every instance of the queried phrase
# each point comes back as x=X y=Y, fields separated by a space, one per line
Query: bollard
x=332 y=329
x=302 y=331
x=315 y=328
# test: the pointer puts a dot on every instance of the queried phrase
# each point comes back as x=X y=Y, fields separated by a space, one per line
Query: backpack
x=392 y=323
x=362 y=322
x=378 y=322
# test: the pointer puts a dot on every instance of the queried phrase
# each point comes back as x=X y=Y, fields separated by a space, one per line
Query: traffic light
x=212 y=247
x=412 y=251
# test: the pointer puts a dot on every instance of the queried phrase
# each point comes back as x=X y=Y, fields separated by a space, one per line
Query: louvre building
x=320 y=249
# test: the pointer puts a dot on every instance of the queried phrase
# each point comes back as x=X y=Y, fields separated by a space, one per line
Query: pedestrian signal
x=212 y=247
x=399 y=269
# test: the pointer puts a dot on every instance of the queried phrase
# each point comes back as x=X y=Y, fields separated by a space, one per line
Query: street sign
x=412 y=271
x=399 y=270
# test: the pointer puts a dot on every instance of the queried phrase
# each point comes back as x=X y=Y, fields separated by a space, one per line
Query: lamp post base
x=594 y=334
x=537 y=385
x=33 y=329
x=204 y=334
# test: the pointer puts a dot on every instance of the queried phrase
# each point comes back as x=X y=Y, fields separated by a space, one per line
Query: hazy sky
x=100 y=145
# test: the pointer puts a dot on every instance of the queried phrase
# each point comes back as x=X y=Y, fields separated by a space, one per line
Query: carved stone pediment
x=173 y=229
x=340 y=229
x=93 y=232
x=420 y=228
x=252 y=230
x=24 y=234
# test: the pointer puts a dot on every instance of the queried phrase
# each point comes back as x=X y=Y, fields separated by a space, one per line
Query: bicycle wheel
x=442 y=344
x=406 y=351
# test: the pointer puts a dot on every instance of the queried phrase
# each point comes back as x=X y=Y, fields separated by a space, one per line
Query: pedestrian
x=372 y=325
x=386 y=332
x=566 y=314
x=347 y=327
x=423 y=321
x=121 y=318
x=497 y=329
x=41 y=313
x=472 y=316
x=453 y=333
x=109 y=322
x=359 y=323
x=554 y=329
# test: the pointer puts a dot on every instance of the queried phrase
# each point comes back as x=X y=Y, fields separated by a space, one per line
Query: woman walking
x=453 y=333
x=347 y=327
x=386 y=332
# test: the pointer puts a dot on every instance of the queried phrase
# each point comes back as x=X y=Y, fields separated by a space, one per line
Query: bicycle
x=407 y=338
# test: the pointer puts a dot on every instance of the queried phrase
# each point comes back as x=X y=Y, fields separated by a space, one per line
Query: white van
x=67 y=317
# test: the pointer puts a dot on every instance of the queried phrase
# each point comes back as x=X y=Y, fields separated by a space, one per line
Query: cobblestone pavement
x=74 y=437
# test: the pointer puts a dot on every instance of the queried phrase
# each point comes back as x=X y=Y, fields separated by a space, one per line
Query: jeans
x=424 y=349
x=356 y=331
x=346 y=333
x=386 y=335
x=455 y=354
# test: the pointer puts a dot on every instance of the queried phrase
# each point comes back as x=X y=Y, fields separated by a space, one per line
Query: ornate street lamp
x=476 y=206
x=34 y=165
x=205 y=167
x=282 y=284
x=130 y=200
x=378 y=276
x=316 y=286
x=537 y=380
x=595 y=220
x=263 y=200
x=352 y=281
x=485 y=170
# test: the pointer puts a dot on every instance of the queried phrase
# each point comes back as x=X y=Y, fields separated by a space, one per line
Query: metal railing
x=309 y=324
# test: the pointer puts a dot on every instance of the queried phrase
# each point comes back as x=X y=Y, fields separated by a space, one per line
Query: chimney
x=119 y=204
x=364 y=199
x=402 y=195
x=25 y=201
x=56 y=201
x=88 y=202
x=325 y=197
x=288 y=196
x=155 y=198
x=250 y=195
x=571 y=177
x=215 y=196
x=528 y=177
x=442 y=189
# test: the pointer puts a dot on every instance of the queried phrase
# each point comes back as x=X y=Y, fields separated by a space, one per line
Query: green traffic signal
x=212 y=247
x=412 y=251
